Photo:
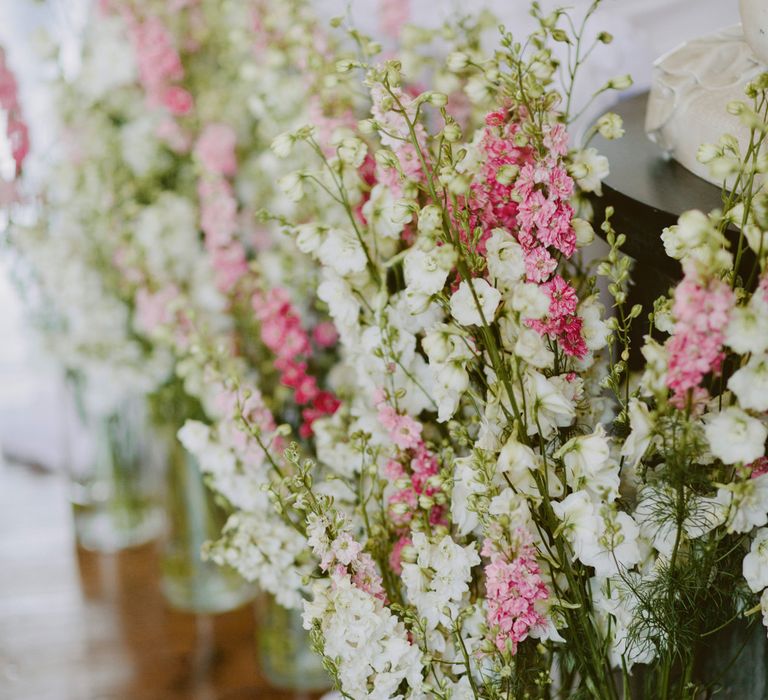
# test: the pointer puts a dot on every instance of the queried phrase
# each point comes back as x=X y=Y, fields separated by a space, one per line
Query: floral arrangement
x=498 y=507
x=385 y=307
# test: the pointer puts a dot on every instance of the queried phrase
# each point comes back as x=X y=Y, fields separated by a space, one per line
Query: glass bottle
x=188 y=581
x=116 y=483
x=285 y=656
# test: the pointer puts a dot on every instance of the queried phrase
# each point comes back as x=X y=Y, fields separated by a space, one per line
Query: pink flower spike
x=539 y=265
x=696 y=346
x=396 y=555
x=177 y=101
x=563 y=299
x=513 y=589
x=393 y=470
x=393 y=15
x=215 y=149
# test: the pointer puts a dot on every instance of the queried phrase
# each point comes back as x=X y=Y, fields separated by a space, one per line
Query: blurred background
x=77 y=625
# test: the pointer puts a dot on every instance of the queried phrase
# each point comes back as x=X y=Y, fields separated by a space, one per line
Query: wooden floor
x=81 y=626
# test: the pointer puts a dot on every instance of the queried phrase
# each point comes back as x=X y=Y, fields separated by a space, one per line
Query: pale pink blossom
x=366 y=576
x=701 y=312
x=169 y=131
x=153 y=309
x=230 y=265
x=396 y=555
x=218 y=211
x=325 y=334
x=215 y=149
x=158 y=61
x=393 y=16
x=346 y=549
x=16 y=130
x=513 y=587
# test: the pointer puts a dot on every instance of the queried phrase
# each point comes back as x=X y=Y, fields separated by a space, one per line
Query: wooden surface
x=81 y=626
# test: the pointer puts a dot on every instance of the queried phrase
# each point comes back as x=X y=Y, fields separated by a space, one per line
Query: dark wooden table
x=648 y=190
x=81 y=626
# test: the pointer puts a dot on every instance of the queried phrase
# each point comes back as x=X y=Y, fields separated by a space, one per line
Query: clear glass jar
x=188 y=582
x=285 y=656
x=116 y=481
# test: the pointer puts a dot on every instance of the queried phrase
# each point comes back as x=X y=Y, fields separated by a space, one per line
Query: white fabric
x=692 y=87
x=754 y=17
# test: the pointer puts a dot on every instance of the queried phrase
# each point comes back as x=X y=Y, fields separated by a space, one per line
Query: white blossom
x=368 y=642
x=734 y=436
x=747 y=503
x=755 y=566
x=426 y=272
x=386 y=215
x=527 y=344
x=438 y=580
x=505 y=258
x=595 y=329
x=588 y=465
x=547 y=407
x=519 y=462
x=466 y=484
x=616 y=605
x=342 y=252
x=747 y=329
x=464 y=308
x=589 y=169
x=641 y=430
x=601 y=536
x=529 y=300
x=750 y=384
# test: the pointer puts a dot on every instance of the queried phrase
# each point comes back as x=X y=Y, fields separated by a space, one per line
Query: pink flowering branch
x=283 y=334
x=526 y=191
x=414 y=466
x=701 y=312
x=17 y=132
x=513 y=588
x=159 y=64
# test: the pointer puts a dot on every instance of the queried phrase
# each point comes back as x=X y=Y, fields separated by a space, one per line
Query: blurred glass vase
x=285 y=656
x=116 y=487
x=189 y=582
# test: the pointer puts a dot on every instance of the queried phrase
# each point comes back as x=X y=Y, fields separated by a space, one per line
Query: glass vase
x=733 y=662
x=116 y=483
x=285 y=656
x=190 y=583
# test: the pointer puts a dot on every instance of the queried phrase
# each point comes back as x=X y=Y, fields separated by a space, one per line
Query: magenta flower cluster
x=284 y=335
x=528 y=194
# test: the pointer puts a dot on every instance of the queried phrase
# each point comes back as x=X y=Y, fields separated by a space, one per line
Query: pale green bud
x=458 y=61
x=622 y=82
